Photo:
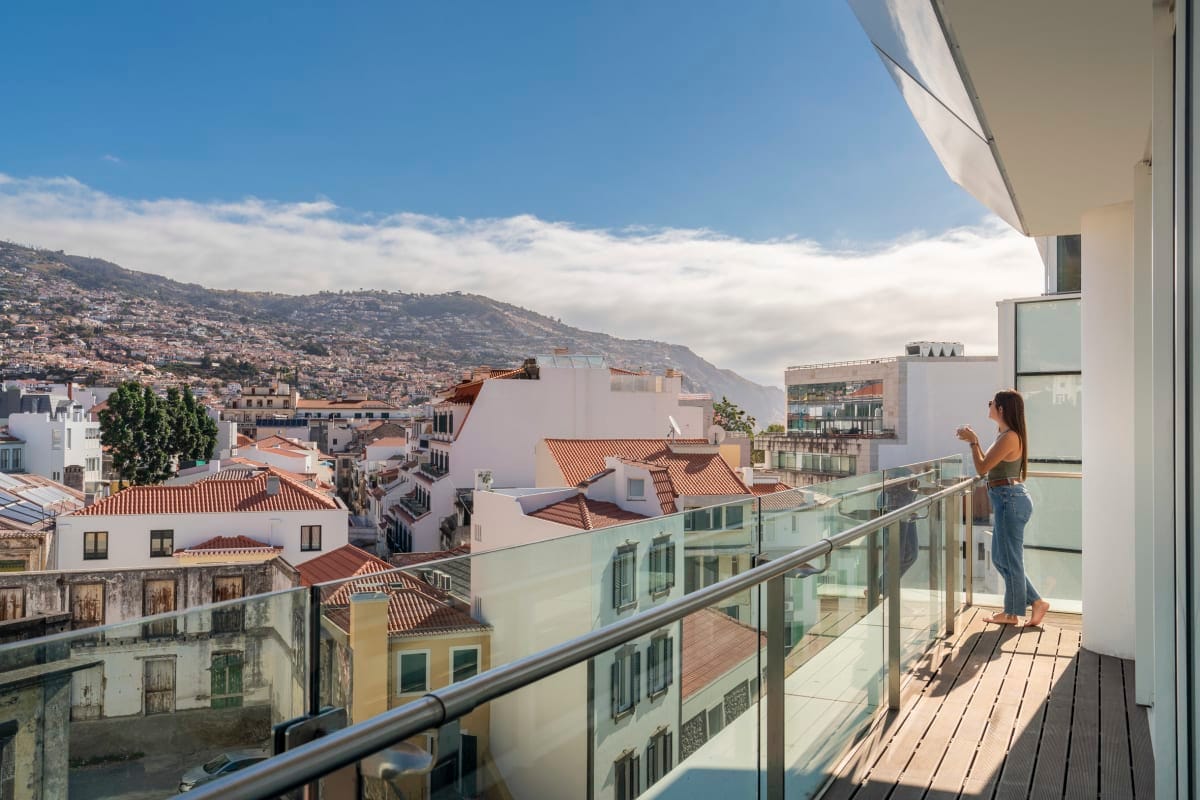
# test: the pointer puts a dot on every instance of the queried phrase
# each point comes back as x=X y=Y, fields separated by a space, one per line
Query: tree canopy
x=148 y=435
x=732 y=418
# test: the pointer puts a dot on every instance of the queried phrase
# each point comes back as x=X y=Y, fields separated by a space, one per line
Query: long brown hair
x=1012 y=410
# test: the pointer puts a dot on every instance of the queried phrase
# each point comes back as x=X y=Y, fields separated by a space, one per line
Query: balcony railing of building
x=754 y=656
x=432 y=471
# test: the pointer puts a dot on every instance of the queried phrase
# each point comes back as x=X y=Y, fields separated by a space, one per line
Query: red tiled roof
x=769 y=488
x=688 y=473
x=409 y=559
x=713 y=644
x=303 y=403
x=213 y=496
x=467 y=391
x=229 y=544
x=585 y=514
x=243 y=440
x=414 y=607
x=279 y=444
x=336 y=565
x=389 y=441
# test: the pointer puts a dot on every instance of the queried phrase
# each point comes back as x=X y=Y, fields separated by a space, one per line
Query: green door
x=226 y=680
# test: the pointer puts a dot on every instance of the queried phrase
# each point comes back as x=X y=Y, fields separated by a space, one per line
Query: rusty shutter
x=12 y=603
x=159 y=598
x=158 y=688
x=87 y=693
x=87 y=605
x=228 y=620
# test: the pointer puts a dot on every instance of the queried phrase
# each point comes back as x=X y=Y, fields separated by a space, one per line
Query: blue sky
x=759 y=120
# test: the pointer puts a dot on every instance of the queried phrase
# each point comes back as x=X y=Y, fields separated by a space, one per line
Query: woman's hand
x=967 y=435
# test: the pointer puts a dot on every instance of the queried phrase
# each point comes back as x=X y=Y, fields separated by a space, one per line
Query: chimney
x=272 y=485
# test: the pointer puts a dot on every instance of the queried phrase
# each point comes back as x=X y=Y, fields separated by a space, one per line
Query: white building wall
x=43 y=457
x=939 y=396
x=1108 y=443
x=129 y=535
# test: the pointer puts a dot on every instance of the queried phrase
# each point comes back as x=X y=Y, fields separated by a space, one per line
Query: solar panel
x=5 y=497
x=9 y=482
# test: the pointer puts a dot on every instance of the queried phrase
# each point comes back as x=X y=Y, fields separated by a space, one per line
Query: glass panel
x=133 y=716
x=835 y=671
x=1070 y=261
x=1053 y=414
x=1048 y=336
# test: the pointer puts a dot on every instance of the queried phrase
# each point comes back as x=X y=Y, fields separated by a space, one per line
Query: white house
x=138 y=526
x=493 y=422
x=56 y=441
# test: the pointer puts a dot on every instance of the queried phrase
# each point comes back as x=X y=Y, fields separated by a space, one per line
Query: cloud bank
x=751 y=306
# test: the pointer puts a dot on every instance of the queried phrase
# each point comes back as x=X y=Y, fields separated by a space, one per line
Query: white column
x=1108 y=421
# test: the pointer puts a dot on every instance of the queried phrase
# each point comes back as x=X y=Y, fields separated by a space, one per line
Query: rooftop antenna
x=674 y=431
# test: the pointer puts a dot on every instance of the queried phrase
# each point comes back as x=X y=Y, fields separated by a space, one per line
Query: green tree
x=135 y=429
x=775 y=427
x=732 y=418
x=203 y=428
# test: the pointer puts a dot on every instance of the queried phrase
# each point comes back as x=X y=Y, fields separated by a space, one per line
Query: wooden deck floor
x=1000 y=712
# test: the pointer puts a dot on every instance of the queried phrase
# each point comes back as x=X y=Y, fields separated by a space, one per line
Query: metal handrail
x=309 y=762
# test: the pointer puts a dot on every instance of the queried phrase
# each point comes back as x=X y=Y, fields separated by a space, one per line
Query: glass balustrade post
x=776 y=653
x=969 y=548
x=950 y=521
x=892 y=575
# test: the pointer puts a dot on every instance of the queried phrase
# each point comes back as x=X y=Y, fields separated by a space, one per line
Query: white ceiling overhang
x=1040 y=109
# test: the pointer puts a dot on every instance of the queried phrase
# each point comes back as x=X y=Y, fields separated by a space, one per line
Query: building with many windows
x=848 y=418
x=63 y=445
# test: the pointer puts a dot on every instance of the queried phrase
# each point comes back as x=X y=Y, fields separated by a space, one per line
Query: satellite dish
x=675 y=431
x=716 y=434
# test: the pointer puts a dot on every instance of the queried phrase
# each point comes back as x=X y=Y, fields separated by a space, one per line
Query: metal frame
x=311 y=761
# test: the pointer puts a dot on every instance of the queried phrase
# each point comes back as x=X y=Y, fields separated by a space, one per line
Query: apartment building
x=849 y=418
x=139 y=525
x=488 y=426
x=62 y=445
x=273 y=400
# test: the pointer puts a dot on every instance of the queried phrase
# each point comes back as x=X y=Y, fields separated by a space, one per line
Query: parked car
x=219 y=767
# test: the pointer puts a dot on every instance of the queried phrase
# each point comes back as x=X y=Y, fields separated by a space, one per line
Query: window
x=158 y=597
x=414 y=672
x=95 y=545
x=659 y=755
x=1067 y=272
x=92 y=464
x=624 y=569
x=230 y=619
x=626 y=776
x=636 y=489
x=226 y=680
x=56 y=438
x=734 y=516
x=4 y=460
x=662 y=566
x=626 y=680
x=660 y=660
x=310 y=537
x=162 y=543
x=16 y=459
x=464 y=663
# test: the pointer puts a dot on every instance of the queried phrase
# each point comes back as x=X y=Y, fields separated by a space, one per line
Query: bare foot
x=1040 y=607
x=1003 y=619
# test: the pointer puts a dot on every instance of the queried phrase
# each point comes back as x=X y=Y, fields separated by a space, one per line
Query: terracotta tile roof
x=336 y=565
x=619 y=371
x=389 y=441
x=5 y=436
x=686 y=473
x=278 y=444
x=338 y=404
x=467 y=391
x=212 y=496
x=760 y=489
x=414 y=607
x=228 y=544
x=713 y=644
x=243 y=440
x=585 y=514
x=409 y=559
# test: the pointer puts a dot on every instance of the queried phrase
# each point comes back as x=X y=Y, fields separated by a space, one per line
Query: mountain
x=455 y=331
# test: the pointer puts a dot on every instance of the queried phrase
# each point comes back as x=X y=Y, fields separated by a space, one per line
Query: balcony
x=749 y=682
x=432 y=471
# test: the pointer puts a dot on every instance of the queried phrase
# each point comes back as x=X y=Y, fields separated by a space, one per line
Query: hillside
x=431 y=333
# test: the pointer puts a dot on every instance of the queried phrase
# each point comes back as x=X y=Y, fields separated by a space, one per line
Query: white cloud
x=110 y=158
x=751 y=306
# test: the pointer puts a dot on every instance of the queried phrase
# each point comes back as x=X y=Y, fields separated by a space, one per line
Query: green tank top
x=1005 y=470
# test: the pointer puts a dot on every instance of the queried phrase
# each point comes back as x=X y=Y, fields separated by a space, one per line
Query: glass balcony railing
x=725 y=650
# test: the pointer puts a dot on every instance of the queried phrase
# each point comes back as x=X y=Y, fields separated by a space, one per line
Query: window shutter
x=651 y=777
x=616 y=569
x=670 y=565
x=637 y=676
x=616 y=686
x=669 y=659
x=636 y=763
x=667 y=755
x=652 y=663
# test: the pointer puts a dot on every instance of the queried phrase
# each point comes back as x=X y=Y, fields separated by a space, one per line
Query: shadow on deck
x=1007 y=713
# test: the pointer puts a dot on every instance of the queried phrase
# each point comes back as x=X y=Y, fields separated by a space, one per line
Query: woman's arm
x=1004 y=449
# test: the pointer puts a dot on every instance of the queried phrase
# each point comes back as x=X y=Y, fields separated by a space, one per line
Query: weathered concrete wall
x=181 y=732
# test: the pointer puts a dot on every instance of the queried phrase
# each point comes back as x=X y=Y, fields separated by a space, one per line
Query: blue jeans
x=1012 y=509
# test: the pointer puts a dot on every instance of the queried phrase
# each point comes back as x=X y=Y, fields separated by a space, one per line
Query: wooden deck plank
x=1139 y=738
x=919 y=771
x=1051 y=768
x=1116 y=772
x=1082 y=767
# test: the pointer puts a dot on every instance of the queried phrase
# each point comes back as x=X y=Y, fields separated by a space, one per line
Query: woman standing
x=1005 y=464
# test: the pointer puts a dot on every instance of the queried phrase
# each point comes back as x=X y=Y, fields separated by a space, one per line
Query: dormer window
x=635 y=489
